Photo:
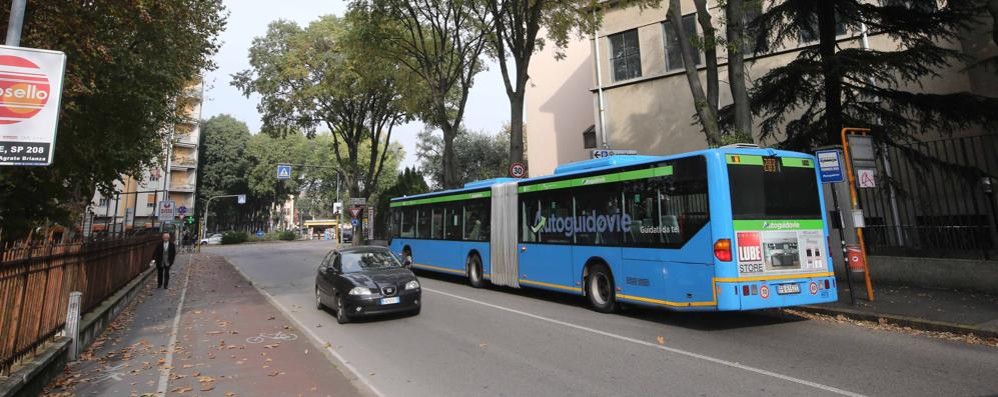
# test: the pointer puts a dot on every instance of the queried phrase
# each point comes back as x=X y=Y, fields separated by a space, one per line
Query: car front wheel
x=341 y=312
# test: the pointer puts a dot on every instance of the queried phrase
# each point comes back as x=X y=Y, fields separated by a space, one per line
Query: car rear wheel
x=341 y=312
x=475 y=272
x=601 y=290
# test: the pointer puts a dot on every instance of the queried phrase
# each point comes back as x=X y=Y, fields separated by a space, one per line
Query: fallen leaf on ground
x=660 y=340
x=181 y=390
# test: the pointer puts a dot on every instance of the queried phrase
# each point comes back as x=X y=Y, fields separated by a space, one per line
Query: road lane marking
x=649 y=344
x=316 y=340
x=164 y=373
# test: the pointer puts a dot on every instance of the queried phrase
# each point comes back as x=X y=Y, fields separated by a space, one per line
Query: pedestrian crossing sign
x=283 y=171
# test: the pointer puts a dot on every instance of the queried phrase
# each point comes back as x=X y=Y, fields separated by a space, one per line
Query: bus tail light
x=722 y=250
x=826 y=284
x=745 y=290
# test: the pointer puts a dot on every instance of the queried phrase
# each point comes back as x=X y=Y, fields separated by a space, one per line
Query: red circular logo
x=814 y=288
x=24 y=89
x=764 y=292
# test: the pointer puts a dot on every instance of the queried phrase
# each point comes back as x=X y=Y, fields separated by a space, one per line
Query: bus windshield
x=777 y=191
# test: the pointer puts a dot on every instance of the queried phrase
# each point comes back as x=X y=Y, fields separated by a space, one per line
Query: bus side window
x=437 y=223
x=407 y=228
x=423 y=222
x=475 y=221
x=452 y=223
x=529 y=219
x=640 y=202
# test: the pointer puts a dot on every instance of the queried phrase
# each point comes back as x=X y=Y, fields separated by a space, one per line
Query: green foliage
x=408 y=182
x=287 y=235
x=126 y=63
x=324 y=75
x=234 y=237
x=733 y=138
x=480 y=155
x=223 y=164
x=805 y=103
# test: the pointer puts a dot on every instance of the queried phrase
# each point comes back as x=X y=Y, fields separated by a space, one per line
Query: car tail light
x=722 y=250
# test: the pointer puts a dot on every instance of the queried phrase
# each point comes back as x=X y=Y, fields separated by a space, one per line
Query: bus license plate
x=390 y=301
x=784 y=289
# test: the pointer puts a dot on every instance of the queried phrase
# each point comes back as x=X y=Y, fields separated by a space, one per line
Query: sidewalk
x=230 y=341
x=958 y=312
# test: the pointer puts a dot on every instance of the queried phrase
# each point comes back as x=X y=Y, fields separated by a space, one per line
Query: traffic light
x=189 y=220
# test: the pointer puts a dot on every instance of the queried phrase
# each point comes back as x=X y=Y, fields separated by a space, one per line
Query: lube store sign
x=570 y=225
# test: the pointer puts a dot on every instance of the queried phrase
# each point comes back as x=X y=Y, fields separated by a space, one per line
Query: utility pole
x=15 y=23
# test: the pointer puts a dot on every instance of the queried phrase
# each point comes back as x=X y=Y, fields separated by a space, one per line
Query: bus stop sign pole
x=853 y=195
x=832 y=172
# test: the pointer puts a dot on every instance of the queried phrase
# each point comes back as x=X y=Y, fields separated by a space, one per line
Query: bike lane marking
x=164 y=374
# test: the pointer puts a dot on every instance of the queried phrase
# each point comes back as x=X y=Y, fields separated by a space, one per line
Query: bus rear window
x=773 y=191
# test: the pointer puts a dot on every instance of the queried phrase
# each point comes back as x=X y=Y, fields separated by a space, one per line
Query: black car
x=360 y=281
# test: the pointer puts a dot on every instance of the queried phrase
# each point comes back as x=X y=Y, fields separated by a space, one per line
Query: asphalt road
x=505 y=342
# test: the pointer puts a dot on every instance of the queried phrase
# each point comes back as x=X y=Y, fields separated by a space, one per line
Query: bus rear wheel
x=475 y=271
x=601 y=290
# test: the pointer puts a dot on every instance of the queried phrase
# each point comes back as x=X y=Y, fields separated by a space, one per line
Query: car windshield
x=359 y=261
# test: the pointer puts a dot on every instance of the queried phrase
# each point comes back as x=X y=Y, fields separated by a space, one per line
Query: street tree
x=325 y=75
x=805 y=103
x=706 y=104
x=127 y=63
x=222 y=163
x=408 y=182
x=480 y=155
x=441 y=43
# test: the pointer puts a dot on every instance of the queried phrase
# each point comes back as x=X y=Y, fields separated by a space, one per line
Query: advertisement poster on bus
x=780 y=246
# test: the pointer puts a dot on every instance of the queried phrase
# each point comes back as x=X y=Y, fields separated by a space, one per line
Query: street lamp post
x=204 y=222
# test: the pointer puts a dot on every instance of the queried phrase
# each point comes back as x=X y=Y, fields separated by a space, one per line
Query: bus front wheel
x=475 y=271
x=601 y=290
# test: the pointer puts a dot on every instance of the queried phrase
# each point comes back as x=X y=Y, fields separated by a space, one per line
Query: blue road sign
x=283 y=171
x=830 y=166
x=355 y=222
x=259 y=233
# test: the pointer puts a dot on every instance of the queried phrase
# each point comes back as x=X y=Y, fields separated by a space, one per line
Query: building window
x=150 y=201
x=625 y=55
x=809 y=33
x=102 y=202
x=673 y=54
x=589 y=137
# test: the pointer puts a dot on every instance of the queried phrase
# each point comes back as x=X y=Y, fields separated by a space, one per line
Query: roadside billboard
x=30 y=94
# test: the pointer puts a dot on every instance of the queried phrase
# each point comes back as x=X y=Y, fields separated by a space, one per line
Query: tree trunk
x=708 y=118
x=449 y=157
x=709 y=53
x=516 y=127
x=735 y=14
x=830 y=70
x=993 y=10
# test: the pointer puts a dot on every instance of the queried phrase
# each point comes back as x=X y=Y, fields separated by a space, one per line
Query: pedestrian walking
x=164 y=255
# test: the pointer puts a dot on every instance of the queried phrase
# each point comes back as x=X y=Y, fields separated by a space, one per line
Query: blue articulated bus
x=732 y=228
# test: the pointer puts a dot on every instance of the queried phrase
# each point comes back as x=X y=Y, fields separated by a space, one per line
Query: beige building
x=134 y=205
x=646 y=100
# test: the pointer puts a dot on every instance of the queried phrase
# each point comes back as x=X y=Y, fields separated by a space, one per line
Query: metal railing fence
x=36 y=278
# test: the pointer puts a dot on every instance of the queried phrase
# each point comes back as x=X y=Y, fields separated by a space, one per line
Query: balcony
x=184 y=140
x=182 y=187
x=183 y=163
x=193 y=92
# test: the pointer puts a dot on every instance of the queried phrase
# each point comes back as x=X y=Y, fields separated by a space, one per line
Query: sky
x=487 y=109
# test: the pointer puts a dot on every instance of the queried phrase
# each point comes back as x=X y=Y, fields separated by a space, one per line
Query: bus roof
x=603 y=164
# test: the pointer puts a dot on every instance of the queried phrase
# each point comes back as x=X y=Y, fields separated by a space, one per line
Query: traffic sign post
x=602 y=153
x=167 y=211
x=830 y=165
x=283 y=172
x=517 y=170
x=182 y=210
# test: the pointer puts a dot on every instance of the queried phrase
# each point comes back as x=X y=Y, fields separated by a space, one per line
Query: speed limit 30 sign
x=517 y=170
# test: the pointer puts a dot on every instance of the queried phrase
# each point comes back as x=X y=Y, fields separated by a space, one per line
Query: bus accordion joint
x=722 y=250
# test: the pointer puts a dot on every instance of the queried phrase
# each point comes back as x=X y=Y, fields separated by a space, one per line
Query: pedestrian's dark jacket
x=157 y=255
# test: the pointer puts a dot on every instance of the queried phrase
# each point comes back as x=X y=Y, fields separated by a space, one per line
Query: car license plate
x=784 y=289
x=389 y=301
